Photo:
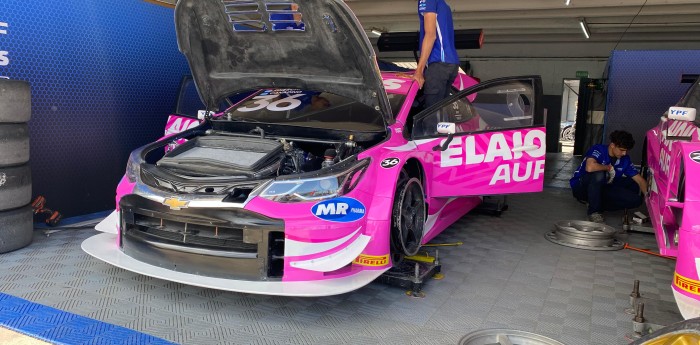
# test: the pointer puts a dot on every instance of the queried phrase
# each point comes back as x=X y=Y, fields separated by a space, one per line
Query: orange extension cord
x=627 y=246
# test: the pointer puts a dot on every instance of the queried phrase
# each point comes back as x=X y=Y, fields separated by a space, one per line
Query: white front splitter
x=104 y=247
x=689 y=307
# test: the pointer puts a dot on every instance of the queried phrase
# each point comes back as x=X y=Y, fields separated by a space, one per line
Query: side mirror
x=683 y=114
x=678 y=114
x=445 y=128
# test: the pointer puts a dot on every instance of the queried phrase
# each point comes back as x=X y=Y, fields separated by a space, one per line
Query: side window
x=459 y=112
x=692 y=100
x=504 y=106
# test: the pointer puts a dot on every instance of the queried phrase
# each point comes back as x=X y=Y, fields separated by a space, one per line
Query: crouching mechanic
x=607 y=179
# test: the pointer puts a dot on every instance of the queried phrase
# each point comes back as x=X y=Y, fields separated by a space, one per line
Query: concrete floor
x=506 y=275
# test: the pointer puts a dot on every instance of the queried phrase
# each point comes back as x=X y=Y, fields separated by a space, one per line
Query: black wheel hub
x=409 y=218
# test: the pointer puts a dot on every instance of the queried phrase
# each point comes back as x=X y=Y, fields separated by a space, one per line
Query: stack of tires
x=16 y=214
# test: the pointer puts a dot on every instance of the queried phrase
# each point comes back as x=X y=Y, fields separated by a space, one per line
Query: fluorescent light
x=584 y=27
x=568 y=2
x=377 y=32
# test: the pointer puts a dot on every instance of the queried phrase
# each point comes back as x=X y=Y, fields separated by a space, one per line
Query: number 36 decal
x=389 y=163
x=265 y=101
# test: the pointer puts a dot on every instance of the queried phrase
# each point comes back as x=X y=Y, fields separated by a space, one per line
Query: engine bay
x=217 y=154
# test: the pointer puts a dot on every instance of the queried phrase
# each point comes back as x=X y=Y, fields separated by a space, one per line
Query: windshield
x=189 y=103
x=692 y=99
x=305 y=108
x=395 y=101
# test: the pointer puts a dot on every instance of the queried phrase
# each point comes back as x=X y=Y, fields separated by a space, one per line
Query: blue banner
x=104 y=77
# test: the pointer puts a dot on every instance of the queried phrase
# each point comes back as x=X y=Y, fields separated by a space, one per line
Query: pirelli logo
x=686 y=284
x=371 y=260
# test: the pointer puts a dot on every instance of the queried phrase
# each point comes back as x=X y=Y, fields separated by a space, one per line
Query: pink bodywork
x=676 y=218
x=510 y=161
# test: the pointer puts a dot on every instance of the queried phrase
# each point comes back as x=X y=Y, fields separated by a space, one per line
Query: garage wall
x=104 y=77
x=642 y=85
x=553 y=71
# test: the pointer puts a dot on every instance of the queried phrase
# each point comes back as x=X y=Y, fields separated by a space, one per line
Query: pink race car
x=672 y=156
x=311 y=171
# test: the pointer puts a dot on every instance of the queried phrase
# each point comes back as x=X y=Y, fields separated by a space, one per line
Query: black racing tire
x=14 y=144
x=15 y=186
x=408 y=217
x=16 y=229
x=15 y=101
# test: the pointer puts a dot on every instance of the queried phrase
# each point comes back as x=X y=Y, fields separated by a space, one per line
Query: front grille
x=209 y=236
x=222 y=243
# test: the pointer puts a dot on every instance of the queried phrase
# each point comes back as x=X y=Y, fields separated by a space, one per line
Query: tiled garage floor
x=506 y=275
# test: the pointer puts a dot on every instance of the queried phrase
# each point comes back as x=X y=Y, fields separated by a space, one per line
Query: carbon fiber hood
x=236 y=45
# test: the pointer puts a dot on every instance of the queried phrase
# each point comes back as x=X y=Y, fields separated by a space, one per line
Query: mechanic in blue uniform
x=438 y=63
x=607 y=179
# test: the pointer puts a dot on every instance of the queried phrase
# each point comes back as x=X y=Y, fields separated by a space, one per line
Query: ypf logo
x=695 y=156
x=340 y=210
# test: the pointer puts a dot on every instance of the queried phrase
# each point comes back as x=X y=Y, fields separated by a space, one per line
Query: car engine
x=243 y=157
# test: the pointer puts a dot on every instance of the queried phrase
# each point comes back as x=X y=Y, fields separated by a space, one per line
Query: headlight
x=314 y=189
x=133 y=166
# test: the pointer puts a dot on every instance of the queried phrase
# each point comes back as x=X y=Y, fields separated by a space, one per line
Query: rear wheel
x=408 y=217
x=644 y=170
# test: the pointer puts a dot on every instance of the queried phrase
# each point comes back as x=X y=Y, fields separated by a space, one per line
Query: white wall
x=569 y=99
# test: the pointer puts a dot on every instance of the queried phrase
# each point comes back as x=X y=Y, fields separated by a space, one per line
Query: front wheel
x=408 y=217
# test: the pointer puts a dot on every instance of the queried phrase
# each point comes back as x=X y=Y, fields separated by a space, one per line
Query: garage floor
x=506 y=275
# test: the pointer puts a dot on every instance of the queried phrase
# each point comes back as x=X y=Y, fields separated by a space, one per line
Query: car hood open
x=236 y=45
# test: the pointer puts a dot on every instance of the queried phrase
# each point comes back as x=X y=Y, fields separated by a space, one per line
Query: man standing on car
x=607 y=179
x=438 y=63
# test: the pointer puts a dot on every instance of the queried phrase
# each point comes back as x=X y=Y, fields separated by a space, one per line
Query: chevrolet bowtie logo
x=175 y=204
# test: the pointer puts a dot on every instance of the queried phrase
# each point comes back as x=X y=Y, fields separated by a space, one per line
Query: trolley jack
x=413 y=272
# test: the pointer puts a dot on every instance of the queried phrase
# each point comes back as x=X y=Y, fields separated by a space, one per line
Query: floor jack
x=39 y=206
x=413 y=272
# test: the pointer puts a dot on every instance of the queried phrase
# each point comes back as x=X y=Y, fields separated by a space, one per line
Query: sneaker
x=596 y=218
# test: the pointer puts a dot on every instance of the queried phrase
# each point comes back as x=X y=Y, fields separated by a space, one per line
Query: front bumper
x=688 y=306
x=103 y=247
x=219 y=243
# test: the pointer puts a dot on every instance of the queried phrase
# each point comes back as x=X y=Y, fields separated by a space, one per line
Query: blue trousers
x=621 y=194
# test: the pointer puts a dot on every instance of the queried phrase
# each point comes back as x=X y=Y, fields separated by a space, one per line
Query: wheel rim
x=411 y=217
x=568 y=134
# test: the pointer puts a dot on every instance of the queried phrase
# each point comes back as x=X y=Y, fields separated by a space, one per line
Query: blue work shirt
x=444 y=48
x=623 y=166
